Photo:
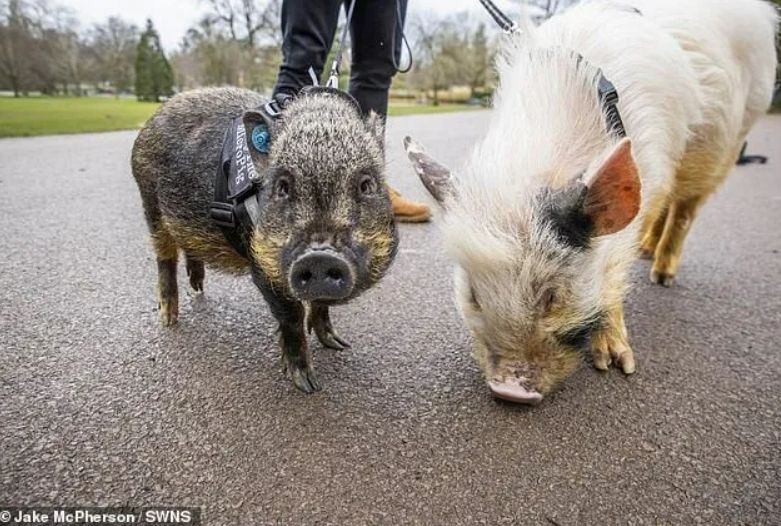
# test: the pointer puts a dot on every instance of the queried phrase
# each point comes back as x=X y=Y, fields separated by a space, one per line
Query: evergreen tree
x=154 y=76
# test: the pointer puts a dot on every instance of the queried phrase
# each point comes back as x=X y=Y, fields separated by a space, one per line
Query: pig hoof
x=601 y=360
x=321 y=323
x=621 y=355
x=330 y=339
x=662 y=278
x=196 y=273
x=196 y=284
x=169 y=314
x=305 y=379
x=646 y=253
x=627 y=362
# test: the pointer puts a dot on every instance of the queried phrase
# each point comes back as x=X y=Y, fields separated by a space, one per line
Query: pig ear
x=613 y=196
x=436 y=177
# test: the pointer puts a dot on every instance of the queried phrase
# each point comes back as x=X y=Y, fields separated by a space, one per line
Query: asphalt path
x=100 y=405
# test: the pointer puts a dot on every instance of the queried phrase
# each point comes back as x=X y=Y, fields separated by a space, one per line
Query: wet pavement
x=100 y=405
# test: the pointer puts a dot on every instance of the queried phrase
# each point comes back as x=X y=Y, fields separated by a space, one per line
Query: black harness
x=608 y=97
x=235 y=208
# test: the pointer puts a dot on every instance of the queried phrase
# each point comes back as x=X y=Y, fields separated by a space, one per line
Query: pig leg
x=668 y=253
x=290 y=314
x=196 y=272
x=165 y=247
x=167 y=289
x=652 y=232
x=319 y=320
x=611 y=342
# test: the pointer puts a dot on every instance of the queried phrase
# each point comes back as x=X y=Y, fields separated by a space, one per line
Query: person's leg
x=376 y=33
x=308 y=29
x=376 y=42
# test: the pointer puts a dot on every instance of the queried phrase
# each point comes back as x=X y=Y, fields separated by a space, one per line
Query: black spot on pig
x=565 y=212
x=580 y=337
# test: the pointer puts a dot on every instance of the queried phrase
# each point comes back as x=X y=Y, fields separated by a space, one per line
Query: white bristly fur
x=683 y=68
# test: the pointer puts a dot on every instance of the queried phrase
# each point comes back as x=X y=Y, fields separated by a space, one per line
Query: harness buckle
x=272 y=109
x=222 y=214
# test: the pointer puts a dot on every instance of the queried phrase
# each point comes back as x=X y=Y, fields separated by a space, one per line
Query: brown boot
x=407 y=211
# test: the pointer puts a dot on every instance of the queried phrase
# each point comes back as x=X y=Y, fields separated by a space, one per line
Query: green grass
x=399 y=109
x=55 y=115
x=25 y=117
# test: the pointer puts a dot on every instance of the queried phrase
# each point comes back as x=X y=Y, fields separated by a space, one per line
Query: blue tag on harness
x=261 y=138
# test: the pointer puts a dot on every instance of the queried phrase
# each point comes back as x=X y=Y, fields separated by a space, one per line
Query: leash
x=400 y=26
x=606 y=90
x=744 y=158
x=502 y=20
x=333 y=78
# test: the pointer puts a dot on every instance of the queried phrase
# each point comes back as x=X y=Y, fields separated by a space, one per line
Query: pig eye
x=282 y=188
x=366 y=185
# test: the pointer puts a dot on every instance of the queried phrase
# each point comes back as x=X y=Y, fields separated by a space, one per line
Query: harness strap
x=608 y=96
x=235 y=209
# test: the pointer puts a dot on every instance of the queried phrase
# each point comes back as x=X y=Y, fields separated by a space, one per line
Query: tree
x=113 y=50
x=247 y=21
x=480 y=58
x=220 y=50
x=547 y=8
x=70 y=51
x=15 y=38
x=40 y=47
x=440 y=45
x=154 y=76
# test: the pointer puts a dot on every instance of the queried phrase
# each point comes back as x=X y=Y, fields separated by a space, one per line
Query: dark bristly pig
x=325 y=231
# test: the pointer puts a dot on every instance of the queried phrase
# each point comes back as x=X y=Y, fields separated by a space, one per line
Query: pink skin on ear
x=613 y=198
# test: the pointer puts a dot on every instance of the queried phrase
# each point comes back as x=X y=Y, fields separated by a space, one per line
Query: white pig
x=544 y=220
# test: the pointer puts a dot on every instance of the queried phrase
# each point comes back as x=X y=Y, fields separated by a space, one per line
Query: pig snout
x=321 y=274
x=512 y=391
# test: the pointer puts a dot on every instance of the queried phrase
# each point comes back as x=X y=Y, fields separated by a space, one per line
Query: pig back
x=190 y=129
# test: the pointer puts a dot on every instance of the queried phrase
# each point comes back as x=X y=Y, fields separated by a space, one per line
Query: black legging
x=308 y=29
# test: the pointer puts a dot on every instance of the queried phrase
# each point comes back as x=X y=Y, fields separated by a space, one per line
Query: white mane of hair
x=548 y=125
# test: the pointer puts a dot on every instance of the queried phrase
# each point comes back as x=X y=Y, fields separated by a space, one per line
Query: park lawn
x=29 y=116
x=55 y=115
x=400 y=109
